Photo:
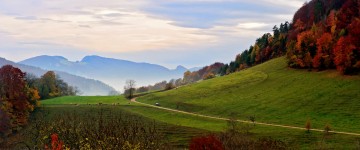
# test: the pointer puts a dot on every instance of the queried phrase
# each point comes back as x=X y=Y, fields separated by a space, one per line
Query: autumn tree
x=129 y=88
x=47 y=86
x=209 y=76
x=50 y=85
x=343 y=51
x=17 y=100
x=324 y=57
x=187 y=77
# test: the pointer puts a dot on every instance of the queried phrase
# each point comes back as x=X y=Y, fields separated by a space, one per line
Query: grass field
x=177 y=135
x=181 y=127
x=273 y=94
x=84 y=100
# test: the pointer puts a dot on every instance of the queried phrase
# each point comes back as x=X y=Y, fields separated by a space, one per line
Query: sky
x=192 y=33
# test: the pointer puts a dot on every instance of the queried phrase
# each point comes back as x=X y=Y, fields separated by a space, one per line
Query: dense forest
x=324 y=34
x=20 y=94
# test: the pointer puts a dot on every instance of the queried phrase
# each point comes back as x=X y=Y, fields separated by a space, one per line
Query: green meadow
x=275 y=94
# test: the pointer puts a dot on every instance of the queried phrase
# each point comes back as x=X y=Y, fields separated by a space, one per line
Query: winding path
x=243 y=121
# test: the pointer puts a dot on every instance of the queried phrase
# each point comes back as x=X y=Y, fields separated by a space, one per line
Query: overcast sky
x=167 y=32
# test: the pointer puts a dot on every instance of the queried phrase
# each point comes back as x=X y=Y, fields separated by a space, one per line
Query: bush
x=206 y=143
x=209 y=76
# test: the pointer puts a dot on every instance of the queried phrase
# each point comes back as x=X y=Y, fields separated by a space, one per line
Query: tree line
x=20 y=94
x=266 y=47
x=189 y=77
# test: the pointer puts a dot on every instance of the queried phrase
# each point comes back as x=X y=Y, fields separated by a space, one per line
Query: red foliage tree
x=206 y=143
x=324 y=55
x=343 y=54
x=13 y=92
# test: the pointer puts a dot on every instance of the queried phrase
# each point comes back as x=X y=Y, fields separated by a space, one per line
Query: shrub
x=206 y=143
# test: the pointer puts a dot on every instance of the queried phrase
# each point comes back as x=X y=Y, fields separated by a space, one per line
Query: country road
x=243 y=121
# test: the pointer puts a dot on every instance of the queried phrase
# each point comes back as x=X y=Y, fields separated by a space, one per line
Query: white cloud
x=131 y=31
x=121 y=26
x=252 y=25
x=288 y=3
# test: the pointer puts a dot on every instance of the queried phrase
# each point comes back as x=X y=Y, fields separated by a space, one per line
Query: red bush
x=206 y=143
x=56 y=144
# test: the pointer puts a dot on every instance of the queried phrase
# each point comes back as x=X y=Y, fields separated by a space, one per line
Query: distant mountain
x=111 y=71
x=195 y=69
x=86 y=86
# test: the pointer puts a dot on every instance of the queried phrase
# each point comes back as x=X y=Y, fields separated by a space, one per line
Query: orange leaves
x=299 y=25
x=34 y=98
x=324 y=46
x=343 y=51
x=304 y=40
x=34 y=94
x=324 y=43
x=331 y=21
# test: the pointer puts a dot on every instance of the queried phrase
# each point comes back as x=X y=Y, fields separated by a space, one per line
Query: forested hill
x=86 y=86
x=324 y=34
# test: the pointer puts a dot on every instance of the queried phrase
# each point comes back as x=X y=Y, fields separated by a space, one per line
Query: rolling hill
x=86 y=86
x=111 y=71
x=273 y=93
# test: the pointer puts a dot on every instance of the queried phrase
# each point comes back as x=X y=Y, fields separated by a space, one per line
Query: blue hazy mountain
x=111 y=71
x=86 y=86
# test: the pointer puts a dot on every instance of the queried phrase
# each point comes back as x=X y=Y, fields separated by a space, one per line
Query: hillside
x=273 y=93
x=111 y=71
x=86 y=86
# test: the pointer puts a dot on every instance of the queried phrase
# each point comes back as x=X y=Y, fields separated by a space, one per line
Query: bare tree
x=129 y=88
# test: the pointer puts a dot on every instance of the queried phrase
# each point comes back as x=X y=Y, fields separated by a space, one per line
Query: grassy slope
x=274 y=94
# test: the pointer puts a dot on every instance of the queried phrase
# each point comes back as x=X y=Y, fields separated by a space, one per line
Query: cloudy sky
x=166 y=32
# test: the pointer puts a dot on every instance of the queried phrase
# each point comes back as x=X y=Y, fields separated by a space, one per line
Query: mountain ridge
x=111 y=71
